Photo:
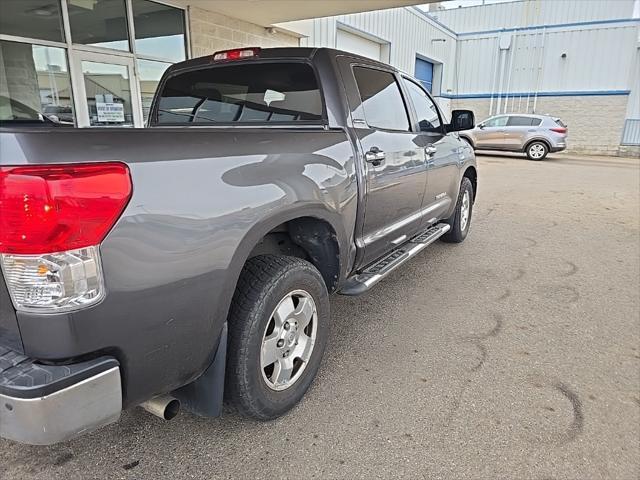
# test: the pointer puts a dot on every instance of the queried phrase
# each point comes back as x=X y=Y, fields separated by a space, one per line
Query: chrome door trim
x=389 y=229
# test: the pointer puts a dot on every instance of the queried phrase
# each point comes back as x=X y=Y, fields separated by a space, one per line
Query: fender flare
x=257 y=231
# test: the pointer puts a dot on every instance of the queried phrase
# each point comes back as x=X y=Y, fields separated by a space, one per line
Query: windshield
x=273 y=92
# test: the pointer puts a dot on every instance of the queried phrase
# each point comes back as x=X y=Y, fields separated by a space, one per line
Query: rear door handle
x=374 y=156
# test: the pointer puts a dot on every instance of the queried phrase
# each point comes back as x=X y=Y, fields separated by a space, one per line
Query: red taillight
x=236 y=53
x=54 y=208
x=559 y=129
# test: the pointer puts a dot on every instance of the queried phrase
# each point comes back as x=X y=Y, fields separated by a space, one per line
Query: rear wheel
x=278 y=327
x=460 y=221
x=537 y=151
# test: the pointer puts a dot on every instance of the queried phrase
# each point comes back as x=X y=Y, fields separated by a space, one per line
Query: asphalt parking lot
x=513 y=355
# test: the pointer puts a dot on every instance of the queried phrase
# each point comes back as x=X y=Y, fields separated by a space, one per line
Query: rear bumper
x=46 y=404
x=558 y=147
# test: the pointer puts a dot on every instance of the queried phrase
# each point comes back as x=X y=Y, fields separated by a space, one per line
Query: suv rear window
x=242 y=93
x=515 y=121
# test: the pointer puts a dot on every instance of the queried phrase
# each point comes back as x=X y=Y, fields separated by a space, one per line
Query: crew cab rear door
x=394 y=164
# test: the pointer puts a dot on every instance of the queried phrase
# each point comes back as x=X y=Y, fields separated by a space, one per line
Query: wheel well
x=309 y=238
x=541 y=140
x=472 y=175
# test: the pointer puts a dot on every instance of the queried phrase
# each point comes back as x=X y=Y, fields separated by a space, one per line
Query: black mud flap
x=204 y=395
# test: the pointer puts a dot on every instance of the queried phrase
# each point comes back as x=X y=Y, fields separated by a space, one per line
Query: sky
x=471 y=3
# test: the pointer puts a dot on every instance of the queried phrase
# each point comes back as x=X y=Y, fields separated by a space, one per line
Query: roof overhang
x=270 y=12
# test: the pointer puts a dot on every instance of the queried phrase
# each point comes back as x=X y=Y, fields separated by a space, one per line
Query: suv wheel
x=278 y=328
x=537 y=151
x=460 y=221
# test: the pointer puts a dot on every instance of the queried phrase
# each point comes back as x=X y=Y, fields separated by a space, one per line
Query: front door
x=441 y=152
x=490 y=133
x=517 y=130
x=106 y=91
x=394 y=163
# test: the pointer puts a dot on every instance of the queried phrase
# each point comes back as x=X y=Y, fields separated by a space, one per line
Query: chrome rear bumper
x=42 y=405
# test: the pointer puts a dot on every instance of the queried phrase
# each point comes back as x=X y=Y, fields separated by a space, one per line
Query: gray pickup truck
x=189 y=263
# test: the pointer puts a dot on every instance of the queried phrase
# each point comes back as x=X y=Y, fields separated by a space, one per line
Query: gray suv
x=535 y=135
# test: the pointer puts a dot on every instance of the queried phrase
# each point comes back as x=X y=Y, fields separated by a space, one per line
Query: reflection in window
x=381 y=99
x=108 y=94
x=426 y=110
x=159 y=30
x=32 y=18
x=495 y=122
x=99 y=23
x=150 y=74
x=35 y=80
x=242 y=93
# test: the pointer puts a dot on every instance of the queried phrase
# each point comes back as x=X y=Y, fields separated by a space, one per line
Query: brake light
x=54 y=208
x=52 y=219
x=236 y=53
x=559 y=130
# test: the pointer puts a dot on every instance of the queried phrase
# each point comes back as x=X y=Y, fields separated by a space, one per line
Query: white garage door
x=351 y=42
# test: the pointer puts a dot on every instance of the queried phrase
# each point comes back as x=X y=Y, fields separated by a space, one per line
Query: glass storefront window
x=32 y=18
x=108 y=94
x=99 y=23
x=34 y=79
x=159 y=30
x=150 y=73
x=145 y=37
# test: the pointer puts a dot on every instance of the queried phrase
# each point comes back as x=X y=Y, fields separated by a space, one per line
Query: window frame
x=395 y=76
x=416 y=122
x=323 y=121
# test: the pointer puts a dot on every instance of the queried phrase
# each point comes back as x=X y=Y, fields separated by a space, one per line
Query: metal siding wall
x=532 y=12
x=408 y=33
x=596 y=60
x=631 y=134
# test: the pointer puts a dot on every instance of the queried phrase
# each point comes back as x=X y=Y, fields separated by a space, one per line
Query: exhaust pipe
x=163 y=406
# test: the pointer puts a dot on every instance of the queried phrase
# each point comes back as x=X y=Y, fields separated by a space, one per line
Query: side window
x=426 y=110
x=496 y=122
x=535 y=122
x=381 y=99
x=515 y=121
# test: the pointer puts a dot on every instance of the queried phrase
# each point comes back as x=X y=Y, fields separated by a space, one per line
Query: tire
x=458 y=231
x=537 y=151
x=265 y=283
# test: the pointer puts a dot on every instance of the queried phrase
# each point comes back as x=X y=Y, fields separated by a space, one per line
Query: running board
x=369 y=276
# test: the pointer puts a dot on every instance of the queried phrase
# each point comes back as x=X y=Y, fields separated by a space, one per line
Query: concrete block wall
x=595 y=122
x=212 y=31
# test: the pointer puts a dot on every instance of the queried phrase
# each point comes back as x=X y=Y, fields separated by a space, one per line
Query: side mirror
x=461 y=120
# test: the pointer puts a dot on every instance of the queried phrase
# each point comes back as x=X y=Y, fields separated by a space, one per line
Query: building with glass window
x=97 y=63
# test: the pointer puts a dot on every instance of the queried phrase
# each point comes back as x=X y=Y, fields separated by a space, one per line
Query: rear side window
x=515 y=121
x=495 y=122
x=381 y=99
x=242 y=93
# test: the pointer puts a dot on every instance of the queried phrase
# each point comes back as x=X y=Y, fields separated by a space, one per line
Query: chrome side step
x=369 y=276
